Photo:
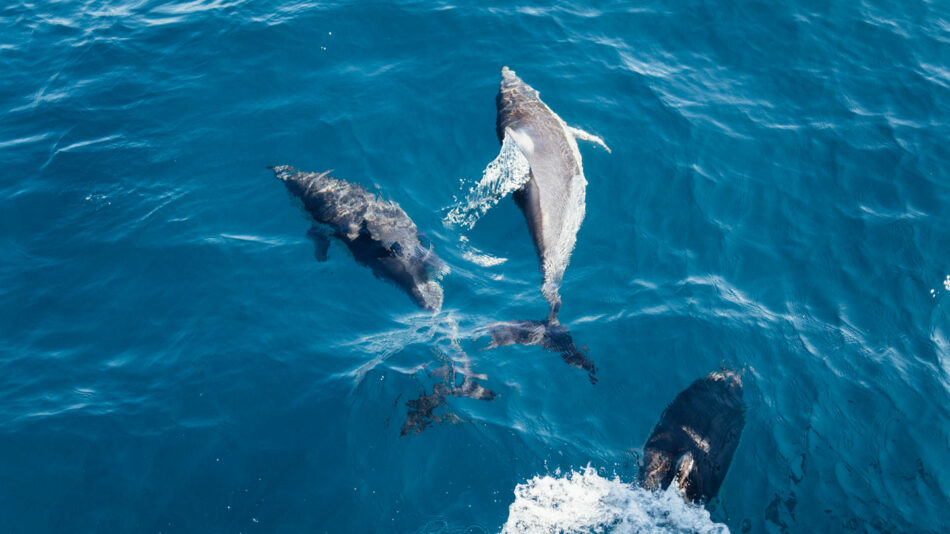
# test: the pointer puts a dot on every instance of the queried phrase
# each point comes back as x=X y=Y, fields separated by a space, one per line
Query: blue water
x=172 y=358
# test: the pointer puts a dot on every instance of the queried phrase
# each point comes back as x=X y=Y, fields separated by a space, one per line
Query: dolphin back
x=696 y=438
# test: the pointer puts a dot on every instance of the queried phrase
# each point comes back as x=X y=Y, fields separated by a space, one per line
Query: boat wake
x=584 y=502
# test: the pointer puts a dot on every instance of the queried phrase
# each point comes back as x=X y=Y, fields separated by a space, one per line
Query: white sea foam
x=505 y=174
x=583 y=501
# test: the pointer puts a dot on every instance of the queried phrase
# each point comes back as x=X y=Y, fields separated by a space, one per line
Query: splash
x=476 y=256
x=505 y=174
x=946 y=286
x=940 y=329
x=583 y=501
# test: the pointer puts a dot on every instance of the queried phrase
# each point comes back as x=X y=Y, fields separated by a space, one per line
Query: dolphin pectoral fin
x=321 y=242
x=473 y=390
x=584 y=136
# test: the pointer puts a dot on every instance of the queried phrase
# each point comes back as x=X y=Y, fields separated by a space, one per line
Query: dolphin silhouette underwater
x=552 y=199
x=693 y=444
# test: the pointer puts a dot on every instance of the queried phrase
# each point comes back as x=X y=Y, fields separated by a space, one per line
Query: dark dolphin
x=381 y=236
x=422 y=411
x=378 y=232
x=693 y=444
x=553 y=203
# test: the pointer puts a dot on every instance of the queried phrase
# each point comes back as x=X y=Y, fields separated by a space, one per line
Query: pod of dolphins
x=691 y=446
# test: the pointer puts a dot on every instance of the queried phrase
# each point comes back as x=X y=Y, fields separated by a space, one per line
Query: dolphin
x=693 y=444
x=381 y=236
x=552 y=198
x=455 y=383
x=378 y=232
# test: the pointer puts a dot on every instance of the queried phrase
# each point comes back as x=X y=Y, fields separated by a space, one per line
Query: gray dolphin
x=552 y=200
x=693 y=444
x=378 y=232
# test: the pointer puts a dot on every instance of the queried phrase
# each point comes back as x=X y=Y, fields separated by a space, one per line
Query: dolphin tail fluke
x=548 y=334
x=584 y=136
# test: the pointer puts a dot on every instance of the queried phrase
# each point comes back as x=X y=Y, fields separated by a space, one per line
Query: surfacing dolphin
x=693 y=444
x=552 y=199
x=381 y=236
x=378 y=232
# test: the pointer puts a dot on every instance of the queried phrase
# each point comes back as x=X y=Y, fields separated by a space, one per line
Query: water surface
x=172 y=358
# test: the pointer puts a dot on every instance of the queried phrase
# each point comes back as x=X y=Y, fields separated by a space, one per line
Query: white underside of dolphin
x=509 y=172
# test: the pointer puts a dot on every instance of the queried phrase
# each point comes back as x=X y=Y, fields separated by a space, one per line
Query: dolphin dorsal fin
x=584 y=136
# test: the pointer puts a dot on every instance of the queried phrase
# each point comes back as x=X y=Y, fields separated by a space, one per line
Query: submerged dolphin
x=552 y=199
x=422 y=411
x=693 y=444
x=378 y=232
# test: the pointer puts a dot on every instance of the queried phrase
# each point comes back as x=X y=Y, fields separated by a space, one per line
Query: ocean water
x=173 y=359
